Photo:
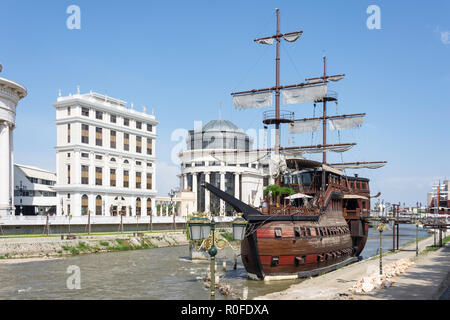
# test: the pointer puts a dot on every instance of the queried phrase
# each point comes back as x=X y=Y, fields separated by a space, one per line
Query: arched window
x=138 y=206
x=149 y=206
x=113 y=159
x=125 y=162
x=98 y=206
x=84 y=204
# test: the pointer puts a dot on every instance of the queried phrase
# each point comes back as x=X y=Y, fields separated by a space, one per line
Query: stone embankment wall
x=13 y=248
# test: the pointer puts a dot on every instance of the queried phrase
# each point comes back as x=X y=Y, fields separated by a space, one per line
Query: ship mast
x=277 y=87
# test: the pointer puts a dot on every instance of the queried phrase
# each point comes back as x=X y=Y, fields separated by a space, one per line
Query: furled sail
x=300 y=126
x=253 y=100
x=330 y=148
x=346 y=123
x=359 y=165
x=265 y=41
x=239 y=156
x=304 y=94
x=336 y=78
x=292 y=37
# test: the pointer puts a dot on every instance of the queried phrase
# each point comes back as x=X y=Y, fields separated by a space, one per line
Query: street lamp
x=202 y=228
x=171 y=195
x=418 y=223
x=381 y=227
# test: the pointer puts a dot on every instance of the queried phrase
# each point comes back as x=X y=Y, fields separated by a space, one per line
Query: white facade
x=105 y=157
x=33 y=191
x=10 y=94
x=243 y=181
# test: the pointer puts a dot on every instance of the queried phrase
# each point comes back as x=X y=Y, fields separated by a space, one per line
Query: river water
x=161 y=273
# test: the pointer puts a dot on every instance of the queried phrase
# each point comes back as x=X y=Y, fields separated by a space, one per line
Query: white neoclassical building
x=105 y=157
x=244 y=181
x=10 y=94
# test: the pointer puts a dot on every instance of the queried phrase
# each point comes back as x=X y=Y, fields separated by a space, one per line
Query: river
x=161 y=273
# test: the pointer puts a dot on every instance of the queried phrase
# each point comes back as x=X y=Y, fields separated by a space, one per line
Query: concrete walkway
x=426 y=279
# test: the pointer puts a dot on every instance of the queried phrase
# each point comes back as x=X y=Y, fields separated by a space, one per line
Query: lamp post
x=381 y=227
x=171 y=195
x=202 y=228
x=417 y=237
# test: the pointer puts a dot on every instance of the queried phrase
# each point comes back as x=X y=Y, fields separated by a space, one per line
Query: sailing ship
x=323 y=225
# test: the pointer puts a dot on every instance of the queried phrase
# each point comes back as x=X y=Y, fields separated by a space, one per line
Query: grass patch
x=104 y=243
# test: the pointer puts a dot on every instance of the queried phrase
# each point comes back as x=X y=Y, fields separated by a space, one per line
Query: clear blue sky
x=183 y=57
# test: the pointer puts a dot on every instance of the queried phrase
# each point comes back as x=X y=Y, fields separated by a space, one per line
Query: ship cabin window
x=278 y=233
x=303 y=232
x=274 y=261
x=297 y=232
x=308 y=232
x=300 y=260
x=321 y=232
x=320 y=257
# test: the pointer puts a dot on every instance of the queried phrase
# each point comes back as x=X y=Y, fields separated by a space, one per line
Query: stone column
x=10 y=94
x=222 y=187
x=194 y=189
x=185 y=182
x=5 y=168
x=236 y=185
x=207 y=194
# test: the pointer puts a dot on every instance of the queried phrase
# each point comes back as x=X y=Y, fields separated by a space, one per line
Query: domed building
x=199 y=163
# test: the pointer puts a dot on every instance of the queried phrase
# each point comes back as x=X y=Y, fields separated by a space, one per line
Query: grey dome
x=220 y=125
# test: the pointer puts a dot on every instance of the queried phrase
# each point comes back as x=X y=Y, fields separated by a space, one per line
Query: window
x=98 y=137
x=126 y=178
x=149 y=181
x=113 y=118
x=68 y=133
x=84 y=174
x=149 y=127
x=98 y=206
x=84 y=133
x=126 y=122
x=112 y=177
x=99 y=115
x=138 y=163
x=98 y=176
x=84 y=155
x=149 y=146
x=274 y=261
x=98 y=157
x=138 y=180
x=85 y=112
x=68 y=155
x=297 y=232
x=126 y=142
x=138 y=125
x=68 y=174
x=138 y=206
x=112 y=139
x=113 y=160
x=300 y=260
x=84 y=205
x=138 y=144
x=68 y=111
x=149 y=164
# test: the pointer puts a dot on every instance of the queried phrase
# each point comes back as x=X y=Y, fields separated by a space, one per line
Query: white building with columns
x=105 y=157
x=10 y=94
x=244 y=181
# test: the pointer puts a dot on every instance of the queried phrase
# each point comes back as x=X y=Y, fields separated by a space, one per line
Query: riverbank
x=27 y=249
x=426 y=279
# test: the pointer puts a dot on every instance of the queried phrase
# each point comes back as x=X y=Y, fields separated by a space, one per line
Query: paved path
x=421 y=281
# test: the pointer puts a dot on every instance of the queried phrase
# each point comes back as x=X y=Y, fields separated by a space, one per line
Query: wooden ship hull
x=291 y=244
x=291 y=249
